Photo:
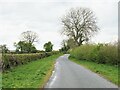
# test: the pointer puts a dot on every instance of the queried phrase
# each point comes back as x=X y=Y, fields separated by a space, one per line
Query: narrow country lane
x=68 y=74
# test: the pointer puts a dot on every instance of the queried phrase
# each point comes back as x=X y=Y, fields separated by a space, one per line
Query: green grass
x=0 y=80
x=32 y=75
x=107 y=71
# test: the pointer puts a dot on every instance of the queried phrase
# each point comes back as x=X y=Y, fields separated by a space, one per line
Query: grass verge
x=107 y=71
x=32 y=75
x=0 y=80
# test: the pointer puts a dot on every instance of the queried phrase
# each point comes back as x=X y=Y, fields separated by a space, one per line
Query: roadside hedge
x=99 y=53
x=11 y=60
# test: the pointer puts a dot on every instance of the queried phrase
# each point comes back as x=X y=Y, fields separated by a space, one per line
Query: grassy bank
x=32 y=75
x=107 y=71
x=0 y=80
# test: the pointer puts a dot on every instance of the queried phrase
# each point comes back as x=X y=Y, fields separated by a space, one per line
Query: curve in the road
x=68 y=74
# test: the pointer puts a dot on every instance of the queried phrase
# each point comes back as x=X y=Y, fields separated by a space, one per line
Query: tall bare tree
x=79 y=24
x=29 y=37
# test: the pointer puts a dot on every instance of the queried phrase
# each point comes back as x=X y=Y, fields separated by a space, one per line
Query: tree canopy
x=4 y=48
x=65 y=46
x=48 y=47
x=25 y=47
x=80 y=24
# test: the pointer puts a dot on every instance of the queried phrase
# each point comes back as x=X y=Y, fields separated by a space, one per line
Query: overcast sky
x=44 y=18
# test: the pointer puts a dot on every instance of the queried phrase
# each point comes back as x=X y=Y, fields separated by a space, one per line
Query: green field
x=32 y=75
x=107 y=71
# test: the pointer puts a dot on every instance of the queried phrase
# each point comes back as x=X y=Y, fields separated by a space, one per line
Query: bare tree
x=79 y=24
x=29 y=37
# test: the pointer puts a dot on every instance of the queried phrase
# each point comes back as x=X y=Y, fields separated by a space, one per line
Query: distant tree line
x=26 y=44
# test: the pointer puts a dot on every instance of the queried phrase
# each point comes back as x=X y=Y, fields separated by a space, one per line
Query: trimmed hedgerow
x=101 y=53
x=11 y=60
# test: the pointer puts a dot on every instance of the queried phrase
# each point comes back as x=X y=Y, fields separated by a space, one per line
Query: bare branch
x=79 y=24
x=29 y=37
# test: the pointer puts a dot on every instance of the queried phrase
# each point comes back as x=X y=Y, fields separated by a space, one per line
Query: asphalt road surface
x=68 y=74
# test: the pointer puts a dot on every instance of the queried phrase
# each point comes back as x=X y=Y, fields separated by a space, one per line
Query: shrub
x=108 y=54
x=10 y=60
x=99 y=53
x=83 y=52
